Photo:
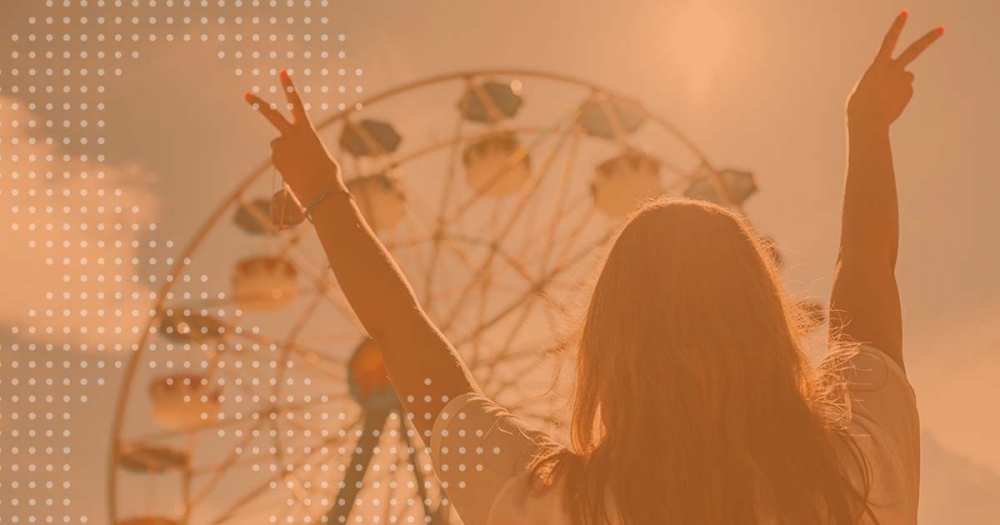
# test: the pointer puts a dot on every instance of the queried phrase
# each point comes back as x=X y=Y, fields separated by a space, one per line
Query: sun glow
x=700 y=40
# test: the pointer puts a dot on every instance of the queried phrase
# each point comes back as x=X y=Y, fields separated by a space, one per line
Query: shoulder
x=881 y=397
x=473 y=426
x=884 y=428
x=483 y=455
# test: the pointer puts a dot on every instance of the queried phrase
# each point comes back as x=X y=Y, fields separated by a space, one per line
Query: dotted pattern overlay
x=77 y=217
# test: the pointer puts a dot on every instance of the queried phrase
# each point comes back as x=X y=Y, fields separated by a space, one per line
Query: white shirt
x=481 y=452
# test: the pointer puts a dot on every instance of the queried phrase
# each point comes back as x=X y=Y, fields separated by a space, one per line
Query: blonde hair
x=694 y=402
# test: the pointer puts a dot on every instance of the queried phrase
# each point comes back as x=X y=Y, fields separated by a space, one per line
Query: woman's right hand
x=886 y=87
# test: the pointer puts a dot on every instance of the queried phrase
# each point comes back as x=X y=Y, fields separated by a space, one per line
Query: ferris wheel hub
x=368 y=379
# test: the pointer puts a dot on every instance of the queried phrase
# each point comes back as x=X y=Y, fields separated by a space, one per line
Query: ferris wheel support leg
x=360 y=460
x=439 y=515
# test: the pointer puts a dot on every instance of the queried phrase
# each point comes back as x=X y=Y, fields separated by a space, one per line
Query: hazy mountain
x=954 y=489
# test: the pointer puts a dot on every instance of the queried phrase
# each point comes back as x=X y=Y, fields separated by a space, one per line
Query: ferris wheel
x=254 y=396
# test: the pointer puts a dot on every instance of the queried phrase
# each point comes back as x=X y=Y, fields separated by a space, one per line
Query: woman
x=694 y=402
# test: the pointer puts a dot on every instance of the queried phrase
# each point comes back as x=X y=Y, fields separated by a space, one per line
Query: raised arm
x=419 y=359
x=865 y=303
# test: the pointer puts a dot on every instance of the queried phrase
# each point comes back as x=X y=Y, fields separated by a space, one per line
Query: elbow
x=868 y=257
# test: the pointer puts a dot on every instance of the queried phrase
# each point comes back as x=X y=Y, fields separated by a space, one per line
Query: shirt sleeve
x=886 y=426
x=477 y=447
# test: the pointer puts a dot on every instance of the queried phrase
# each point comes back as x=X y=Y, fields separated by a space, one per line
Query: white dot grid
x=63 y=59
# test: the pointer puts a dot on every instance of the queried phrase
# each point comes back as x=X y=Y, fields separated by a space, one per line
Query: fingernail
x=904 y=14
x=284 y=72
x=247 y=96
x=940 y=30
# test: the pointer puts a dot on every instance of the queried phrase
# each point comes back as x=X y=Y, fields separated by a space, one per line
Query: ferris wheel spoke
x=478 y=341
x=292 y=505
x=506 y=345
x=511 y=221
x=316 y=516
x=550 y=313
x=444 y=201
x=410 y=242
x=547 y=237
x=452 y=240
x=306 y=427
x=295 y=348
x=292 y=481
x=256 y=338
x=260 y=489
x=219 y=471
x=298 y=490
x=328 y=339
x=560 y=200
x=513 y=378
x=540 y=287
x=290 y=340
x=234 y=374
x=305 y=494
x=421 y=265
x=323 y=286
x=254 y=417
x=436 y=235
x=279 y=454
x=204 y=304
x=334 y=370
x=482 y=273
x=186 y=481
x=481 y=312
x=576 y=234
x=292 y=242
x=209 y=469
x=524 y=353
x=247 y=383
x=575 y=225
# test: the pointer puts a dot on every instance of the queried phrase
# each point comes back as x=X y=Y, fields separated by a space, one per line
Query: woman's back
x=484 y=454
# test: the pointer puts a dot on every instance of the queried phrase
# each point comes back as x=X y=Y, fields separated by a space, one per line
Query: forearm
x=870 y=225
x=865 y=305
x=413 y=349
x=365 y=271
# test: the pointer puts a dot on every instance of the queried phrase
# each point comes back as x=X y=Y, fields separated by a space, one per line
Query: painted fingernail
x=284 y=72
x=247 y=96
x=940 y=30
x=904 y=14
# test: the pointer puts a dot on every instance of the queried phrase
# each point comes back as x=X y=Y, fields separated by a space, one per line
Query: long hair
x=694 y=402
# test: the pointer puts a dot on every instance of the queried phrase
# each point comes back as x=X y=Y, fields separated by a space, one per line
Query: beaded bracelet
x=319 y=198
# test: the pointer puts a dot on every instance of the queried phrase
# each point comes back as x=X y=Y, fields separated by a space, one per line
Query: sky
x=757 y=84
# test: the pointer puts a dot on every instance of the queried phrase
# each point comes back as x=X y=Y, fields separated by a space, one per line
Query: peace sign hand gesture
x=298 y=153
x=886 y=88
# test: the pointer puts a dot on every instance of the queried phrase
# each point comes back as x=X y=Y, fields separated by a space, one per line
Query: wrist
x=320 y=180
x=864 y=128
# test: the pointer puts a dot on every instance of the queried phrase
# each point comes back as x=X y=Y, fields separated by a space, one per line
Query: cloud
x=955 y=489
x=70 y=236
x=954 y=369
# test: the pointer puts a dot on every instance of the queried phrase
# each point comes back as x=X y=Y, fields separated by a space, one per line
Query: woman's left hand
x=887 y=87
x=298 y=153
